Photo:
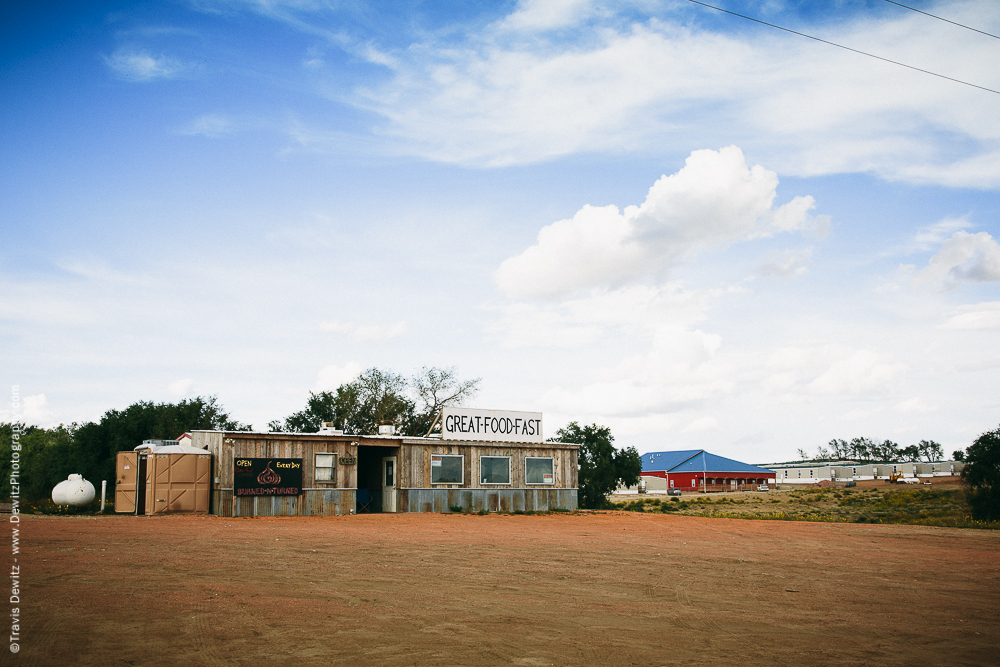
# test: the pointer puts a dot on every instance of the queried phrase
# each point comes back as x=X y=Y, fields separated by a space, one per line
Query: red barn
x=698 y=470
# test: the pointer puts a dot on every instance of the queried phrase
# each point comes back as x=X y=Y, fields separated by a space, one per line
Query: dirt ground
x=437 y=589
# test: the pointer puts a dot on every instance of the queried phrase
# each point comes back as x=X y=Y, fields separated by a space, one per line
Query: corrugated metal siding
x=491 y=500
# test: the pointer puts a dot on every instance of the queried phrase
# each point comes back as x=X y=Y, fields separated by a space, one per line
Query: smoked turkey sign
x=267 y=477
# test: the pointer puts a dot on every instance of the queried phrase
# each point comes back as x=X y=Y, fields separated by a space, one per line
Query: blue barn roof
x=694 y=460
x=659 y=461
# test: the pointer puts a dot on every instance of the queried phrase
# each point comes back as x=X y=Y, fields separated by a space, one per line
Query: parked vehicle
x=673 y=492
x=763 y=487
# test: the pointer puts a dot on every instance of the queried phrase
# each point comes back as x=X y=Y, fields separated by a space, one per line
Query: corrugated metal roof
x=656 y=461
x=694 y=460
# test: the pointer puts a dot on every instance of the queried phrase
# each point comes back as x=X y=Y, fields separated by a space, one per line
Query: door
x=389 y=484
x=126 y=466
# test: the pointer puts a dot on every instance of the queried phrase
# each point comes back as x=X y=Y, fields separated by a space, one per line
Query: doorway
x=372 y=475
x=389 y=484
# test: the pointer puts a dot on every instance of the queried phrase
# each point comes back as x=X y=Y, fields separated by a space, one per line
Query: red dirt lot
x=438 y=589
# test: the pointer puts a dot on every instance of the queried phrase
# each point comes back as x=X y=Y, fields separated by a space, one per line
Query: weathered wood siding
x=326 y=498
x=415 y=463
x=416 y=493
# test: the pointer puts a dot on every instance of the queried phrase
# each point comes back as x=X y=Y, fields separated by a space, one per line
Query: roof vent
x=328 y=428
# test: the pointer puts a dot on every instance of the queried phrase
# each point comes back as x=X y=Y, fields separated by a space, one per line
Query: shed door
x=126 y=466
x=389 y=484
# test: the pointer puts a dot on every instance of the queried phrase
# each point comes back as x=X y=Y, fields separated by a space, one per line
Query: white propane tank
x=74 y=491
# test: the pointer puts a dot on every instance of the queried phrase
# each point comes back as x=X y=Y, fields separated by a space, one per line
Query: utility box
x=178 y=483
x=154 y=481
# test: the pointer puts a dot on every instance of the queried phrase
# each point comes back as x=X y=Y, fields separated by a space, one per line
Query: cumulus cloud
x=137 y=65
x=182 y=387
x=35 y=409
x=975 y=316
x=964 y=257
x=331 y=377
x=858 y=372
x=366 y=332
x=634 y=311
x=714 y=200
x=533 y=15
x=916 y=405
x=786 y=263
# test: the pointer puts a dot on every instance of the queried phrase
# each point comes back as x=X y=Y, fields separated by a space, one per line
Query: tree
x=376 y=396
x=958 y=455
x=48 y=456
x=981 y=475
x=602 y=467
x=930 y=450
x=358 y=406
x=438 y=388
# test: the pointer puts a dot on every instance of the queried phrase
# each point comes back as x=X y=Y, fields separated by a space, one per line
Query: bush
x=982 y=476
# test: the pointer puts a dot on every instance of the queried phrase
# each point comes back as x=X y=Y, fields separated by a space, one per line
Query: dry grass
x=892 y=504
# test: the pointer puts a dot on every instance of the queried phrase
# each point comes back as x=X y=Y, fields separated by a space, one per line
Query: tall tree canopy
x=48 y=456
x=982 y=476
x=602 y=467
x=866 y=449
x=378 y=395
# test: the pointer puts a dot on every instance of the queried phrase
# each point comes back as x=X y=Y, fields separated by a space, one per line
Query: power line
x=846 y=48
x=934 y=16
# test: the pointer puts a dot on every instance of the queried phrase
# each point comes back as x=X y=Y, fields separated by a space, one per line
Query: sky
x=700 y=231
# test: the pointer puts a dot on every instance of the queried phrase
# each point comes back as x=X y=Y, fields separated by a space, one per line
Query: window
x=447 y=469
x=494 y=469
x=538 y=470
x=325 y=466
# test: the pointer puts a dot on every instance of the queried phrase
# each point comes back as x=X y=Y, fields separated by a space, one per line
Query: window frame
x=551 y=459
x=332 y=468
x=510 y=470
x=462 y=468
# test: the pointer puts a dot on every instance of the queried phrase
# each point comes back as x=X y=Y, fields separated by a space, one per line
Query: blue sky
x=699 y=231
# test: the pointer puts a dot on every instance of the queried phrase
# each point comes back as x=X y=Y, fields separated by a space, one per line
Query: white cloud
x=934 y=235
x=547 y=14
x=975 y=316
x=331 y=377
x=963 y=257
x=632 y=311
x=786 y=263
x=182 y=387
x=858 y=372
x=366 y=332
x=614 y=81
x=35 y=410
x=209 y=125
x=702 y=425
x=142 y=66
x=714 y=200
x=915 y=404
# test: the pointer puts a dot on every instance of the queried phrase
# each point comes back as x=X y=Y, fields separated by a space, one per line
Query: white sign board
x=494 y=425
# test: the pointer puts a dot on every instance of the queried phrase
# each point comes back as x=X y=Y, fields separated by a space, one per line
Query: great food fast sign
x=493 y=425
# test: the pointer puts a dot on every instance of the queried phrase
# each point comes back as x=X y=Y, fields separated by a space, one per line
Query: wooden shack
x=331 y=473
